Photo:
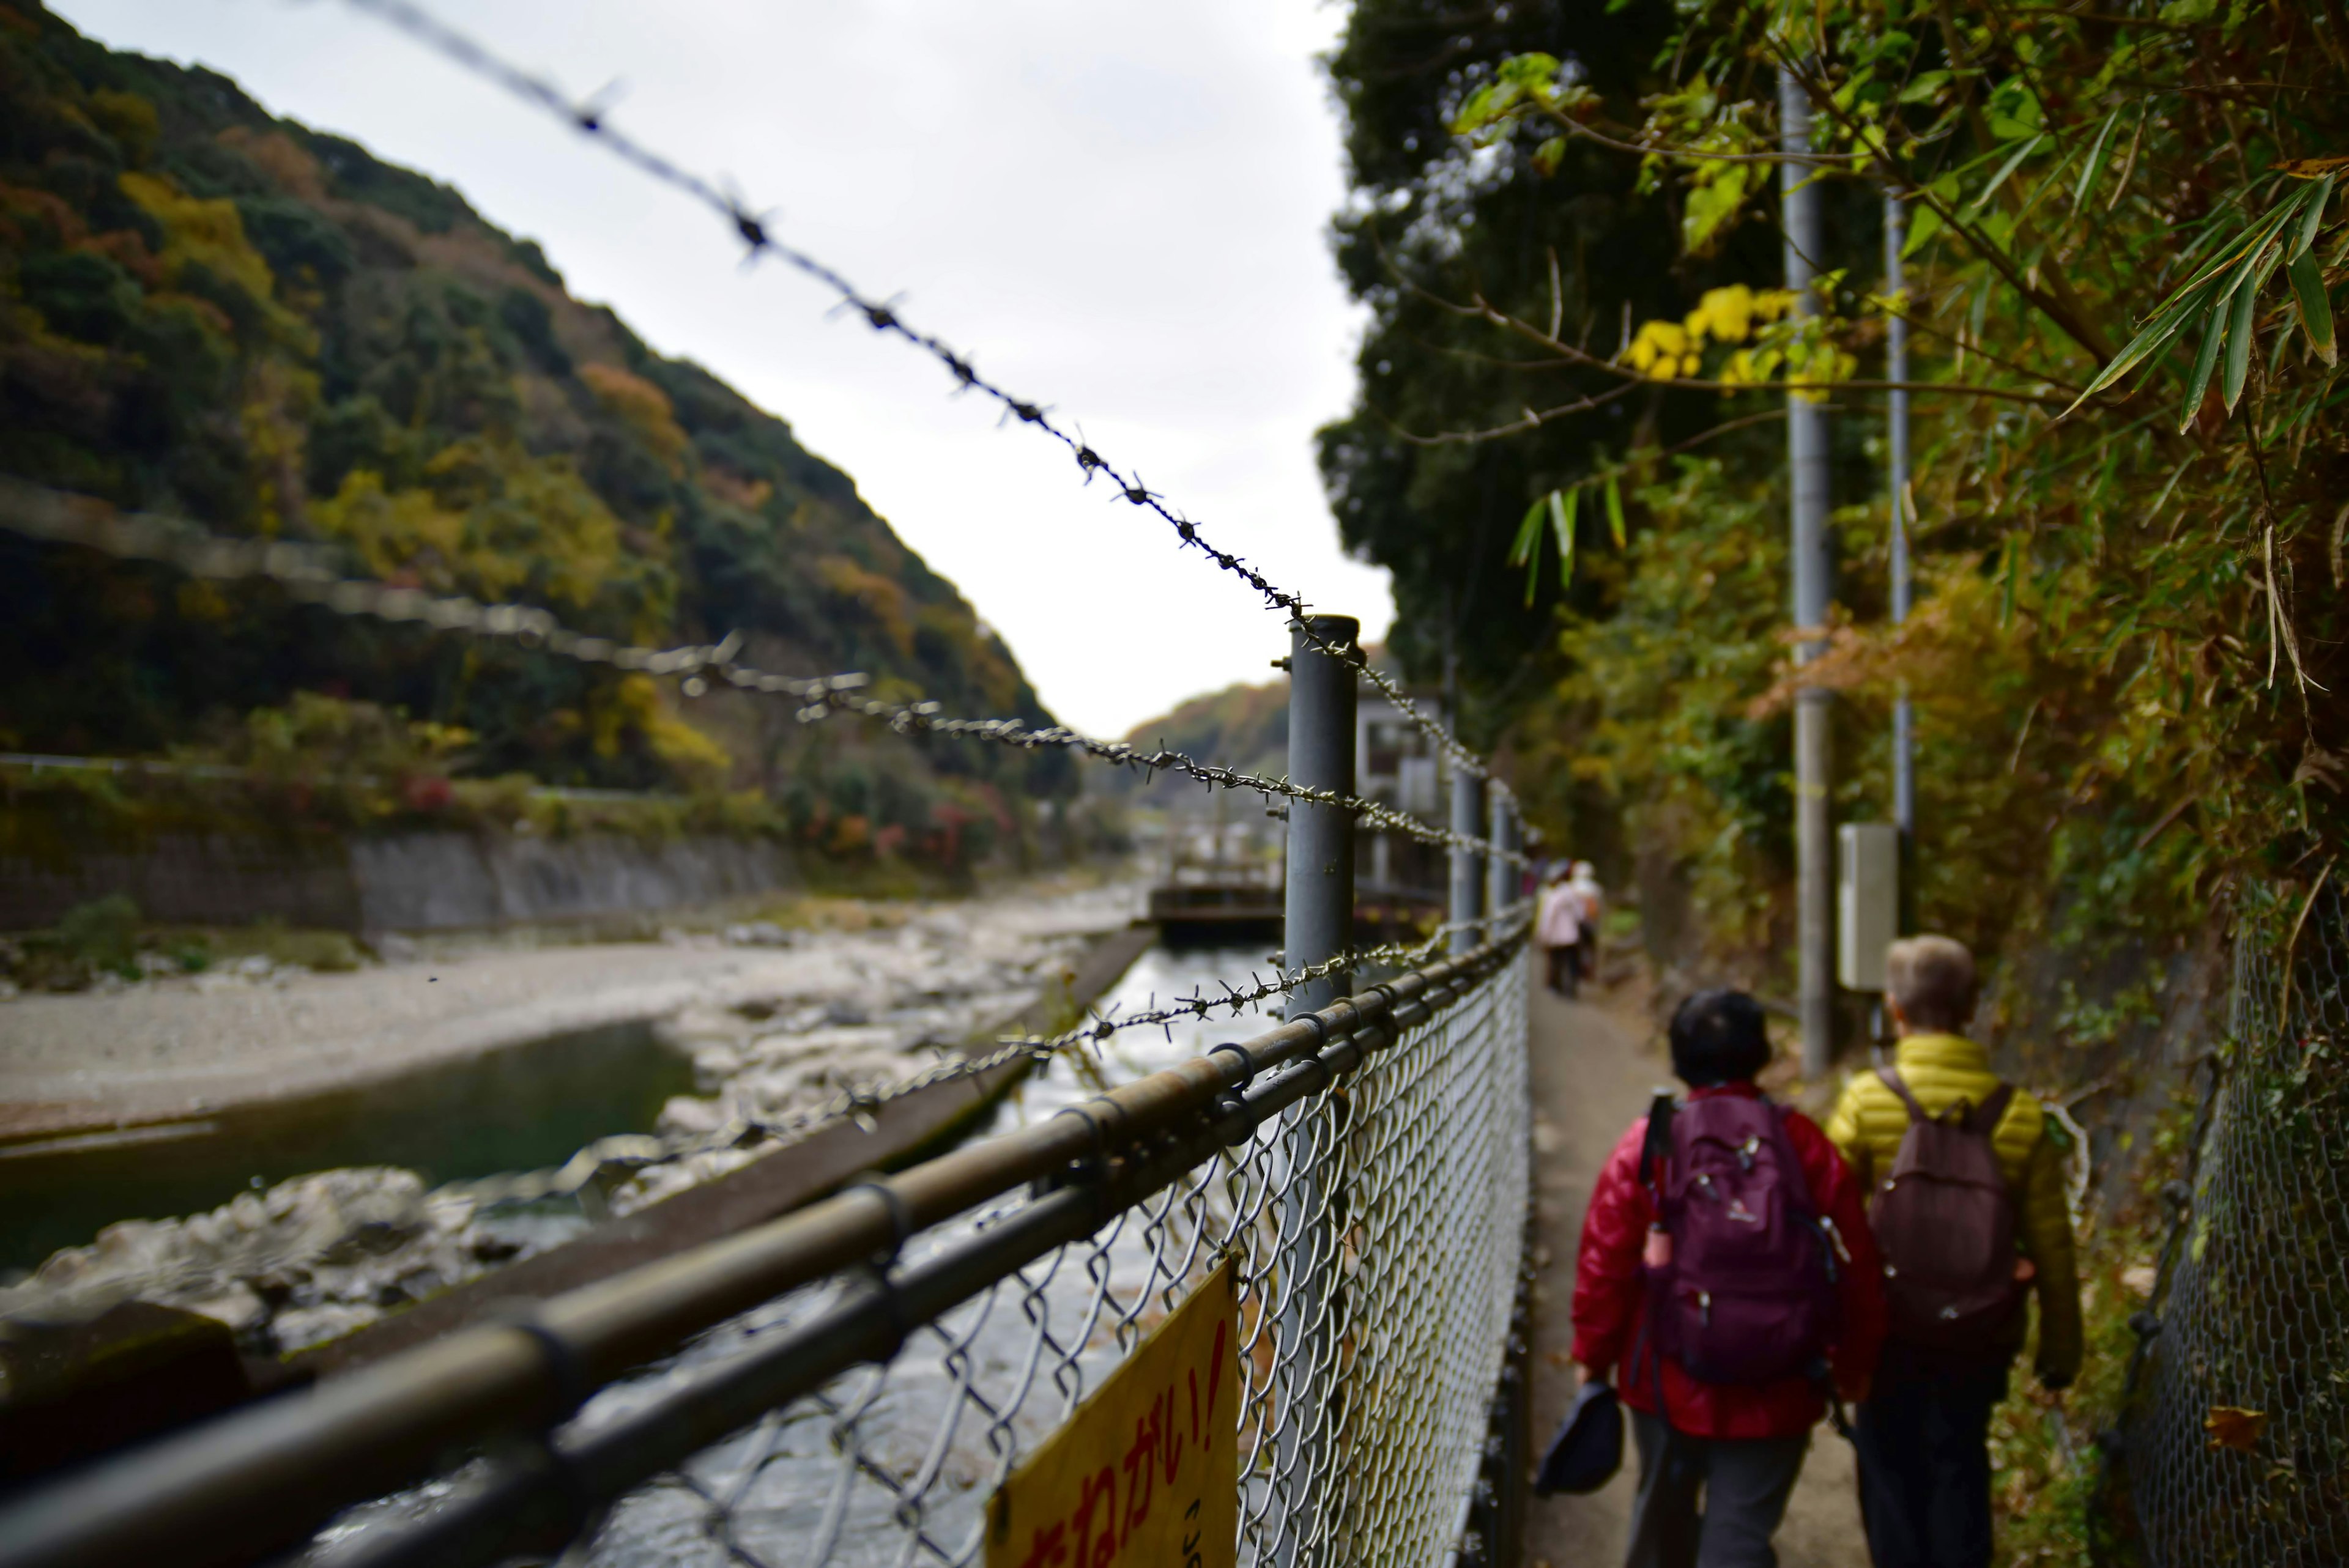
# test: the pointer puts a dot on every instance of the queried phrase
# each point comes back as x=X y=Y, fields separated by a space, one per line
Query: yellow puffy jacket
x=1940 y=1069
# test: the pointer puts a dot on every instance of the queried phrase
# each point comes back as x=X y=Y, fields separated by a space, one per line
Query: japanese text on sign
x=1145 y=1473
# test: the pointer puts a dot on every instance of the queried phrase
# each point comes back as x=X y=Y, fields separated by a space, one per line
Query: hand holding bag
x=1588 y=1449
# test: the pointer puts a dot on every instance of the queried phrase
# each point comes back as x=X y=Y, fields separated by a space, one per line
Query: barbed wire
x=908 y=717
x=754 y=228
x=862 y=1104
x=312 y=573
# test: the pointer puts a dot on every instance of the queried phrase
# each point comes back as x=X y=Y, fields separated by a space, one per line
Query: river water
x=783 y=1492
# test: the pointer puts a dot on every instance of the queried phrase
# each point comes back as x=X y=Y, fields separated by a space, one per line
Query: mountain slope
x=208 y=311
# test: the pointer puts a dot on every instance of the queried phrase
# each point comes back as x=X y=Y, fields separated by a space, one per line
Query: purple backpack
x=1747 y=1293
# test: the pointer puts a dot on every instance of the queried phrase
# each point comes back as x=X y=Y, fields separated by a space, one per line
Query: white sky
x=1117 y=207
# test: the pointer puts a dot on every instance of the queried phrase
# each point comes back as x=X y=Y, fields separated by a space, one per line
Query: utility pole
x=1895 y=370
x=1806 y=462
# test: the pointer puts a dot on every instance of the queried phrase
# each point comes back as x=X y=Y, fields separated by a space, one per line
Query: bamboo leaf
x=1529 y=532
x=2098 y=156
x=2239 y=327
x=2311 y=220
x=1562 y=511
x=1999 y=178
x=2205 y=362
x=2316 y=306
x=2166 y=325
x=1922 y=227
x=1615 y=510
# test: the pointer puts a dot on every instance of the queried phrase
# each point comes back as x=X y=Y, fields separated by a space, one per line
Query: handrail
x=264 y=1479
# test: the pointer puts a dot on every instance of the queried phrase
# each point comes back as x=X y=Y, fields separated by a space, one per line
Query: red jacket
x=1610 y=1297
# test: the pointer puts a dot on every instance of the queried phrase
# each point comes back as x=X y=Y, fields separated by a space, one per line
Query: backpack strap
x=1656 y=1152
x=1891 y=1079
x=1992 y=1112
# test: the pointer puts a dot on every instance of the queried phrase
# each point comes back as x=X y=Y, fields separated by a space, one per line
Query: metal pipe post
x=1500 y=871
x=1318 y=925
x=1895 y=370
x=1806 y=462
x=1317 y=913
x=1468 y=865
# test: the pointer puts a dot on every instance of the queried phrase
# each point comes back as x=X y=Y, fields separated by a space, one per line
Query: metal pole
x=1806 y=460
x=1319 y=909
x=1468 y=865
x=1500 y=873
x=1895 y=370
x=1318 y=925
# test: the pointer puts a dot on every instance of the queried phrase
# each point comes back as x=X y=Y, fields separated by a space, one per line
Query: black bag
x=1588 y=1449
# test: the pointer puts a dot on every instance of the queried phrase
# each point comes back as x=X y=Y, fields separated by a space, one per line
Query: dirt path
x=1593 y=1070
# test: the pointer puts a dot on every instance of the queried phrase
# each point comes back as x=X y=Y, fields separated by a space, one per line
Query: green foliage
x=2126 y=659
x=207 y=311
x=102 y=933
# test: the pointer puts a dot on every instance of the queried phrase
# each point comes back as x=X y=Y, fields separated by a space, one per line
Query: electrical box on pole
x=1867 y=906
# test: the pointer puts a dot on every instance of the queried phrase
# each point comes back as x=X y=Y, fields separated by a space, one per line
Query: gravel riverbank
x=773 y=1021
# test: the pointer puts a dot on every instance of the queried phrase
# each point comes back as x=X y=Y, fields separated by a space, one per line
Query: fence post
x=1319 y=903
x=1468 y=865
x=1318 y=925
x=1500 y=873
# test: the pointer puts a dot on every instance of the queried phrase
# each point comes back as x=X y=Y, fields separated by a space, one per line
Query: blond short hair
x=1932 y=979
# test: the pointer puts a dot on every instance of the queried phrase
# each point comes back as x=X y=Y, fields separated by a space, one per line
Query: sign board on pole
x=1146 y=1473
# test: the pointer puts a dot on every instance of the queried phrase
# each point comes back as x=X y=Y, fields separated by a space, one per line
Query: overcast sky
x=1118 y=207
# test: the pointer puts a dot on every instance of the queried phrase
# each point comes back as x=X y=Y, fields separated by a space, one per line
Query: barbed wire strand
x=755 y=229
x=310 y=572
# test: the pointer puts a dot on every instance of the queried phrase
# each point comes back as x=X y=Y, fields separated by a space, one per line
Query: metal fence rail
x=848 y=1385
x=2238 y=1439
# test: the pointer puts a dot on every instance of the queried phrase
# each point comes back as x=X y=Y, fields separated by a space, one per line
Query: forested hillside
x=209 y=311
x=1244 y=726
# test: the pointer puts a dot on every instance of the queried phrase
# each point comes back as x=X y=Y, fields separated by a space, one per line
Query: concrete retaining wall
x=410 y=881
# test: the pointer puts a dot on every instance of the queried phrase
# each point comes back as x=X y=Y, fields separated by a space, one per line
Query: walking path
x=1595 y=1063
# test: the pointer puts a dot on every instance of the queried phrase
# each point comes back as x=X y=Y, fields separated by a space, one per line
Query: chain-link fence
x=1365 y=1167
x=2238 y=1439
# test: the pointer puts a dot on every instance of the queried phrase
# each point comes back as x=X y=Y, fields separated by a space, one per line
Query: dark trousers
x=1565 y=967
x=1745 y=1483
x=1924 y=1466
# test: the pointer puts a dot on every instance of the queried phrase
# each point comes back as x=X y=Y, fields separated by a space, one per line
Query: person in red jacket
x=1741 y=1444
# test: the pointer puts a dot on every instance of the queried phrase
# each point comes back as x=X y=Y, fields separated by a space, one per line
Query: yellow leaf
x=1658 y=348
x=2313 y=167
x=2233 y=1426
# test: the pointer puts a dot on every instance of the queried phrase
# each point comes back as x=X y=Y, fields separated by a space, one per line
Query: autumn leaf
x=2310 y=168
x=2233 y=1426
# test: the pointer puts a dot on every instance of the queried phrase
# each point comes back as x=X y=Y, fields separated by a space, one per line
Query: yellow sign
x=1146 y=1473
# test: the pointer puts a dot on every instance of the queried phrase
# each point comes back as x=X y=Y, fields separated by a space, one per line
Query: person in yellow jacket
x=1923 y=1431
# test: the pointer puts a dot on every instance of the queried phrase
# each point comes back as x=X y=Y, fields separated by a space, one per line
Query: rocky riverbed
x=778 y=1024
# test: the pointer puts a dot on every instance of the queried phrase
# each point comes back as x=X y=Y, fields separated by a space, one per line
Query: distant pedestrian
x=1585 y=883
x=1969 y=1211
x=1727 y=1282
x=1557 y=926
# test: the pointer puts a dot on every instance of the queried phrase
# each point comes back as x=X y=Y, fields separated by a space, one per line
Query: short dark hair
x=1718 y=1036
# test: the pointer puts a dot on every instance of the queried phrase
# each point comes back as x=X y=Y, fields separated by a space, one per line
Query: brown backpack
x=1944 y=1220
